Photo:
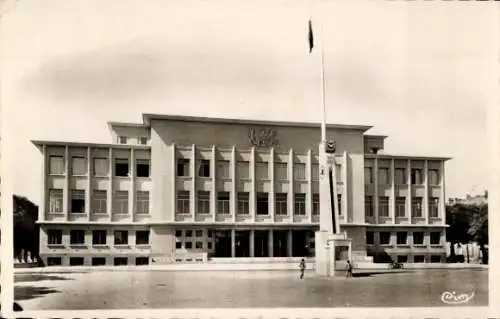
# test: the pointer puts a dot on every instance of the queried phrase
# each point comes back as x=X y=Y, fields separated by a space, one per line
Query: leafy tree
x=458 y=216
x=26 y=231
x=478 y=229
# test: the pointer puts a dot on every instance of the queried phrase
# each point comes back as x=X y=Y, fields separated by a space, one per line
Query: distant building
x=176 y=189
x=470 y=200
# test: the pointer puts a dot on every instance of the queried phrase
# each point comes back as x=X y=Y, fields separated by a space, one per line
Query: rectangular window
x=54 y=237
x=223 y=202
x=142 y=202
x=435 y=238
x=281 y=203
x=262 y=170
x=78 y=165
x=203 y=202
x=416 y=176
x=120 y=261
x=299 y=170
x=434 y=207
x=142 y=237
x=76 y=261
x=315 y=204
x=55 y=200
x=243 y=203
x=338 y=172
x=400 y=176
x=143 y=140
x=98 y=261
x=78 y=201
x=121 y=237
x=300 y=204
x=281 y=171
x=183 y=167
x=178 y=245
x=262 y=203
x=402 y=258
x=122 y=140
x=142 y=168
x=385 y=238
x=99 y=201
x=198 y=233
x=188 y=244
x=121 y=167
x=370 y=238
x=402 y=238
x=416 y=207
x=223 y=169
x=188 y=233
x=77 y=237
x=120 y=205
x=315 y=172
x=369 y=206
x=400 y=206
x=56 y=165
x=435 y=258
x=418 y=238
x=199 y=245
x=99 y=237
x=243 y=169
x=54 y=261
x=383 y=176
x=101 y=166
x=433 y=177
x=383 y=206
x=419 y=259
x=183 y=202
x=368 y=175
x=141 y=261
x=339 y=203
x=204 y=168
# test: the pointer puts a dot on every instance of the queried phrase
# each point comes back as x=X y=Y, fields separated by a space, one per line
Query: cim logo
x=452 y=298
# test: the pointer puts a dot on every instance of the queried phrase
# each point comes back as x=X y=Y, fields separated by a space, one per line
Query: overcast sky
x=420 y=72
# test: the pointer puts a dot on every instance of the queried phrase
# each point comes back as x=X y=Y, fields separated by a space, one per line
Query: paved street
x=222 y=289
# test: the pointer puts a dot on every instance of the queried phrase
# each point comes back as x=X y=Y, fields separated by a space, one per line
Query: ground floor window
x=76 y=261
x=120 y=261
x=402 y=259
x=435 y=258
x=418 y=259
x=141 y=261
x=98 y=261
x=54 y=261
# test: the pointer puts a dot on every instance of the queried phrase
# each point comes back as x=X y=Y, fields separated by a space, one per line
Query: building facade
x=180 y=189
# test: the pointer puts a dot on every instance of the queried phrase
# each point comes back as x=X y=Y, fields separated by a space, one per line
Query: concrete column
x=291 y=187
x=271 y=242
x=109 y=195
x=213 y=175
x=272 y=207
x=66 y=190
x=408 y=198
x=173 y=194
x=392 y=200
x=43 y=200
x=233 y=196
x=194 y=176
x=309 y=194
x=233 y=243
x=375 y=193
x=425 y=210
x=88 y=193
x=252 y=243
x=252 y=205
x=345 y=197
x=442 y=199
x=289 y=245
x=131 y=195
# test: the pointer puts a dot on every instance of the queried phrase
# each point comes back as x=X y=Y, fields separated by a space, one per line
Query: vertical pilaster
x=43 y=200
x=213 y=174
x=408 y=197
x=233 y=243
x=194 y=176
x=345 y=197
x=66 y=191
x=233 y=195
x=109 y=195
x=426 y=192
x=392 y=200
x=173 y=180
x=131 y=195
x=271 y=243
x=252 y=243
x=291 y=186
x=252 y=196
x=88 y=193
x=309 y=187
x=375 y=193
x=289 y=243
x=442 y=199
x=271 y=194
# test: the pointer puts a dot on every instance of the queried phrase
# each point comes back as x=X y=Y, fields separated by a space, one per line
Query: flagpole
x=323 y=108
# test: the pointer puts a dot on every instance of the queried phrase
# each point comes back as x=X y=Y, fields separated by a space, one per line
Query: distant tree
x=458 y=217
x=478 y=229
x=26 y=231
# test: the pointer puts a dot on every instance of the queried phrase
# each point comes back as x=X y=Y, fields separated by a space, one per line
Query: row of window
x=402 y=238
x=99 y=237
x=99 y=201
x=124 y=140
x=223 y=170
x=400 y=177
x=419 y=258
x=400 y=206
x=189 y=239
x=97 y=261
x=79 y=166
x=243 y=203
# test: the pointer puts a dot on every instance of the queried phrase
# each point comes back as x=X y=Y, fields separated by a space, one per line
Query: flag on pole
x=311 y=37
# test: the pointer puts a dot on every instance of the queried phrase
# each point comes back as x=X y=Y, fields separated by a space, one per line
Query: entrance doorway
x=299 y=243
x=223 y=243
x=280 y=243
x=242 y=243
x=261 y=243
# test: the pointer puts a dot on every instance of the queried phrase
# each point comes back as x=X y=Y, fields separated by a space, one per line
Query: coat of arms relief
x=263 y=137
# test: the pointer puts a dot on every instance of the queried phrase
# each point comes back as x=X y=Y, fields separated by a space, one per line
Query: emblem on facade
x=330 y=146
x=264 y=137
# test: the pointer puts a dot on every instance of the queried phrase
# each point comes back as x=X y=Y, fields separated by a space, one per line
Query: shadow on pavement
x=37 y=277
x=369 y=274
x=32 y=292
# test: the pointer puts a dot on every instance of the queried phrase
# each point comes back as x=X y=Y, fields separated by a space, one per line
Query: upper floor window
x=142 y=168
x=416 y=176
x=385 y=238
x=300 y=204
x=383 y=206
x=77 y=201
x=435 y=238
x=204 y=168
x=54 y=236
x=223 y=169
x=99 y=237
x=121 y=167
x=77 y=237
x=400 y=206
x=281 y=203
x=262 y=170
x=262 y=203
x=315 y=172
x=400 y=176
x=418 y=238
x=56 y=165
x=203 y=202
x=182 y=200
x=338 y=172
x=339 y=204
x=433 y=206
x=99 y=201
x=142 y=202
x=121 y=237
x=143 y=140
x=101 y=166
x=299 y=170
x=402 y=238
x=223 y=202
x=183 y=167
x=368 y=175
x=142 y=237
x=122 y=140
x=243 y=203
x=433 y=177
x=315 y=204
x=243 y=169
x=78 y=165
x=370 y=238
x=383 y=176
x=369 y=206
x=416 y=206
x=120 y=205
x=281 y=171
x=55 y=200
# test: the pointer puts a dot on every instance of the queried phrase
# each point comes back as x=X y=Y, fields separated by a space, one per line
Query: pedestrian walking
x=349 y=269
x=302 y=267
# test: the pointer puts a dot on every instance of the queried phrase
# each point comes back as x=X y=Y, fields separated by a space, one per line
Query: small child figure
x=302 y=267
x=349 y=269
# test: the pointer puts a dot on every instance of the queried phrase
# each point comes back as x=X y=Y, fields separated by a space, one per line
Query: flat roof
x=402 y=156
x=39 y=143
x=147 y=118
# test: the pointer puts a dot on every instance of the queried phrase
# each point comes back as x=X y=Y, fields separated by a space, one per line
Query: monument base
x=332 y=252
